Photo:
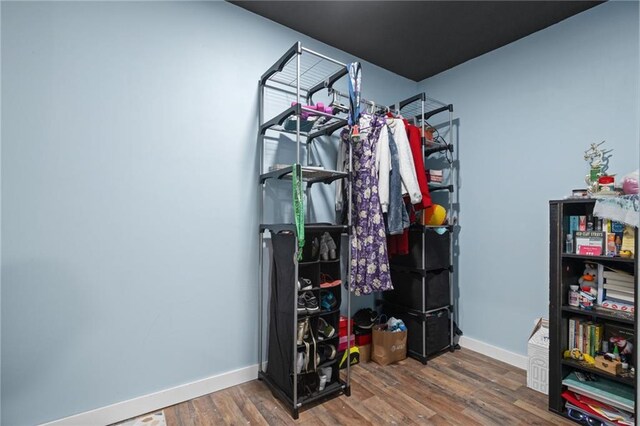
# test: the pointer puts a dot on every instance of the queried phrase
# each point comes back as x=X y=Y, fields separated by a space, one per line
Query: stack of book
x=585 y=336
x=598 y=401
x=619 y=290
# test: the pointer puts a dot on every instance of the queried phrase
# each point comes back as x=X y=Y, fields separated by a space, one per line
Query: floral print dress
x=369 y=260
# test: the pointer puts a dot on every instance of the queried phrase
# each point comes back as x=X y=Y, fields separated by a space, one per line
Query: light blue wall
x=526 y=113
x=129 y=196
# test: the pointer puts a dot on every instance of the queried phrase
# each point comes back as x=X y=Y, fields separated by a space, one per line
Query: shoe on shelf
x=315 y=248
x=328 y=301
x=323 y=382
x=327 y=247
x=325 y=331
x=304 y=284
x=299 y=362
x=302 y=307
x=326 y=281
x=326 y=371
x=303 y=330
x=327 y=353
x=310 y=302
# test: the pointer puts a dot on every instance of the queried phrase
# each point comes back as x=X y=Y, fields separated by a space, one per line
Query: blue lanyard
x=355 y=80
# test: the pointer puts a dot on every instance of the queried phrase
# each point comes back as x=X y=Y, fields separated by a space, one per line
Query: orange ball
x=435 y=215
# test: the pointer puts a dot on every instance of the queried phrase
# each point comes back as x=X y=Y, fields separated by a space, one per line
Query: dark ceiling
x=417 y=39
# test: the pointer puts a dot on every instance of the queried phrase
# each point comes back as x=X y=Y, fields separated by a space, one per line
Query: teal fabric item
x=298 y=207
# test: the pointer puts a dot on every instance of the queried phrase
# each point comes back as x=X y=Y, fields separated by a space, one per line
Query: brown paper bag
x=388 y=347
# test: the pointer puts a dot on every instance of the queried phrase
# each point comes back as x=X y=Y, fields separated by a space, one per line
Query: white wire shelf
x=413 y=109
x=316 y=71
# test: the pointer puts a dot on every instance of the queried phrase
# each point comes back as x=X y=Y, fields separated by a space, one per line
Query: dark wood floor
x=461 y=388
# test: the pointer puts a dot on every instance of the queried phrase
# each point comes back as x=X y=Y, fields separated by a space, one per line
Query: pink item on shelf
x=343 y=342
x=630 y=185
x=618 y=306
x=318 y=107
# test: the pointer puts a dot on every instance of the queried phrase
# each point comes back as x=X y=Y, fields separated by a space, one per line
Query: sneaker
x=327 y=353
x=299 y=362
x=310 y=302
x=329 y=301
x=326 y=371
x=325 y=330
x=304 y=284
x=323 y=382
x=326 y=281
x=302 y=307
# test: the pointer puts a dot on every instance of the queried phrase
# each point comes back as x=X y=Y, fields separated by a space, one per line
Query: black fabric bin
x=436 y=249
x=411 y=288
x=434 y=330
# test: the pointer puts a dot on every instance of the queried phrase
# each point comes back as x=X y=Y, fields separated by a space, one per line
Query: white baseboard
x=494 y=352
x=155 y=401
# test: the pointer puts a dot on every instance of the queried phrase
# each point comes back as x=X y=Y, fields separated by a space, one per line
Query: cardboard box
x=538 y=357
x=612 y=367
x=365 y=353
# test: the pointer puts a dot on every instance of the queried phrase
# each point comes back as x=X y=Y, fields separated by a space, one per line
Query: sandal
x=327 y=281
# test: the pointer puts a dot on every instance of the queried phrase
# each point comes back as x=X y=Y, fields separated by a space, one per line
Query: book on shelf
x=620 y=337
x=573 y=224
x=611 y=245
x=614 y=305
x=579 y=335
x=629 y=239
x=622 y=284
x=617 y=229
x=589 y=243
x=598 y=409
x=582 y=223
x=613 y=393
x=617 y=275
x=620 y=296
x=585 y=335
x=620 y=288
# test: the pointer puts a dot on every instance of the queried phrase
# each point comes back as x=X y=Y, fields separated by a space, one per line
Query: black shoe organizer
x=282 y=363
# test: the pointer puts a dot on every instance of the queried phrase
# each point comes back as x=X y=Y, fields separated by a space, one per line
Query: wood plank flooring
x=460 y=388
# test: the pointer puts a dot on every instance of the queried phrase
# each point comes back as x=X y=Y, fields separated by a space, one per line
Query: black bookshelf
x=564 y=270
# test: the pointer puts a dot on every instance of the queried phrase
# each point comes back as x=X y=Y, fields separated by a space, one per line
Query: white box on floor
x=538 y=357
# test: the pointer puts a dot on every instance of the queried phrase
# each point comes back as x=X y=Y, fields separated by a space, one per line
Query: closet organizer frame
x=419 y=109
x=301 y=73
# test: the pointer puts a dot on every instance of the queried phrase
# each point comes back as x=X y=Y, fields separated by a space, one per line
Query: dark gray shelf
x=598 y=314
x=583 y=367
x=435 y=187
x=310 y=175
x=311 y=227
x=599 y=258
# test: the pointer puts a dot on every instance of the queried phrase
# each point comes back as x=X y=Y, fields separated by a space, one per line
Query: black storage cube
x=436 y=248
x=410 y=289
x=434 y=330
x=438 y=331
